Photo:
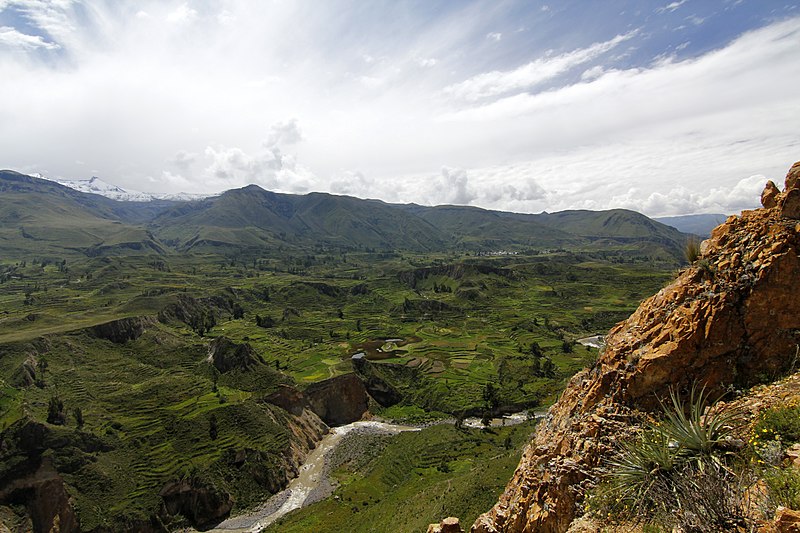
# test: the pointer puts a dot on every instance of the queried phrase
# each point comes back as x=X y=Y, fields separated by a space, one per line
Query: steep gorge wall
x=732 y=319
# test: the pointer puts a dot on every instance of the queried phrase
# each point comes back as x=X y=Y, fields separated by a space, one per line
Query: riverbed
x=312 y=484
x=304 y=489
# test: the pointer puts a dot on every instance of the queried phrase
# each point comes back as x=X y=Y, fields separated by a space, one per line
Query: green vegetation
x=162 y=413
x=417 y=478
x=108 y=310
x=690 y=471
x=781 y=423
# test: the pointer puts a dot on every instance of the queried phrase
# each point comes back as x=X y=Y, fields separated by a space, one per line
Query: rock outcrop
x=202 y=503
x=381 y=380
x=731 y=319
x=337 y=401
x=226 y=355
x=123 y=330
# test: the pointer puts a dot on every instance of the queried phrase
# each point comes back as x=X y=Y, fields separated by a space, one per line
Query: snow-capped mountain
x=97 y=186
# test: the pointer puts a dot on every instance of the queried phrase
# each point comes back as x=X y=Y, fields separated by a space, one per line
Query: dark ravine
x=732 y=319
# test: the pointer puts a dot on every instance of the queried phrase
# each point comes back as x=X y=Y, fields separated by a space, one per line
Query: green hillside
x=49 y=219
x=109 y=312
x=44 y=218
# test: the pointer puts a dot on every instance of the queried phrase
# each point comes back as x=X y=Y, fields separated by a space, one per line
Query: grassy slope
x=421 y=477
x=151 y=399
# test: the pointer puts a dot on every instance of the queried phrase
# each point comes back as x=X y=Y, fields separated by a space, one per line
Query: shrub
x=784 y=487
x=782 y=422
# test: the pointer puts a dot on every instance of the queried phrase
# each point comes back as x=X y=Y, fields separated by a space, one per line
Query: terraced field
x=468 y=334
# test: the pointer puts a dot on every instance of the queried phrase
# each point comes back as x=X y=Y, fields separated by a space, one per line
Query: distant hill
x=471 y=227
x=44 y=217
x=254 y=217
x=696 y=224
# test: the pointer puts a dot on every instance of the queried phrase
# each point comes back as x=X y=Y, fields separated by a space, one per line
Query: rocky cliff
x=732 y=319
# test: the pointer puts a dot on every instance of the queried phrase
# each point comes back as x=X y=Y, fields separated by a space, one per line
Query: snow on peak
x=95 y=185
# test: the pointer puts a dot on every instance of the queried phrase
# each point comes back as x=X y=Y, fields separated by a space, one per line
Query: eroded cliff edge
x=731 y=319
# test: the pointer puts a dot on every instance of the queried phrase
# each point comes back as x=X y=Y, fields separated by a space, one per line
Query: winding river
x=311 y=481
x=308 y=479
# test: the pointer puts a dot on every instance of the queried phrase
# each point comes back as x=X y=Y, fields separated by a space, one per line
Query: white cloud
x=670 y=7
x=153 y=105
x=182 y=14
x=54 y=17
x=497 y=83
x=454 y=187
x=425 y=61
x=268 y=166
x=284 y=133
x=11 y=37
x=694 y=19
x=494 y=36
x=351 y=183
x=593 y=73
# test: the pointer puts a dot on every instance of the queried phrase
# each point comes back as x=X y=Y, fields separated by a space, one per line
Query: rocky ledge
x=730 y=319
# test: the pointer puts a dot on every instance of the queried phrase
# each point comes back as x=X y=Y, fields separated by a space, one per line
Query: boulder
x=769 y=198
x=790 y=207
x=448 y=525
x=793 y=177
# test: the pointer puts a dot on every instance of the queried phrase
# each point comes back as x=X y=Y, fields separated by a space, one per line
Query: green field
x=414 y=479
x=450 y=328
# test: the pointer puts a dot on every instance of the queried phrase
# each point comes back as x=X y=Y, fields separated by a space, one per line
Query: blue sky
x=664 y=107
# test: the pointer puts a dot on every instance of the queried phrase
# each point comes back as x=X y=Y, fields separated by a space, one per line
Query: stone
x=790 y=207
x=448 y=525
x=793 y=177
x=793 y=454
x=787 y=520
x=769 y=198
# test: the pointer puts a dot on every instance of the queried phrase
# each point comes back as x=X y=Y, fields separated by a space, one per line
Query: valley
x=176 y=385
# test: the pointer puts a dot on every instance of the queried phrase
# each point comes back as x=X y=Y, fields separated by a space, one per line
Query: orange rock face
x=732 y=319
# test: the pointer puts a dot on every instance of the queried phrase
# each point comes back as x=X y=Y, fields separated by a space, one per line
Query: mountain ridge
x=254 y=220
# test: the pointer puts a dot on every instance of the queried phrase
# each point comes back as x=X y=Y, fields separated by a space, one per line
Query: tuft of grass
x=692 y=250
x=784 y=487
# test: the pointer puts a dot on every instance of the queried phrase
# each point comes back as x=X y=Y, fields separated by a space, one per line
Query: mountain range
x=46 y=217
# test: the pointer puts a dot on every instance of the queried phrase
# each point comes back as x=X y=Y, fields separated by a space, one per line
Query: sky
x=665 y=107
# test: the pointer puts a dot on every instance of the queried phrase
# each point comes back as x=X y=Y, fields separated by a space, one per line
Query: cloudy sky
x=664 y=107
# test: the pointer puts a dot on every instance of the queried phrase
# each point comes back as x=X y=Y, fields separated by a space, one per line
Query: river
x=311 y=481
x=308 y=479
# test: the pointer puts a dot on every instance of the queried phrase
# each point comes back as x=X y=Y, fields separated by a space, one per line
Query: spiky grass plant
x=668 y=472
x=696 y=432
